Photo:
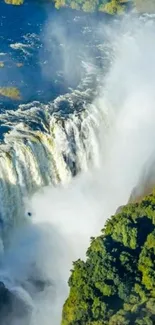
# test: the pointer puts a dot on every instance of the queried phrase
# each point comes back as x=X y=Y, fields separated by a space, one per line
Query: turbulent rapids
x=103 y=134
x=41 y=146
x=45 y=148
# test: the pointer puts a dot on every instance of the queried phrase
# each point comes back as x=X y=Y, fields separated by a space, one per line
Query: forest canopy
x=108 y=6
x=14 y=2
x=116 y=284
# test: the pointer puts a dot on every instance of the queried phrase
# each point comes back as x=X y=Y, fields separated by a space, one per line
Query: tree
x=116 y=284
x=113 y=7
x=14 y=2
x=90 y=6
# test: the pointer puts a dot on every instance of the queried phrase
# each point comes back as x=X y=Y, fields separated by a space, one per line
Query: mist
x=69 y=43
x=36 y=267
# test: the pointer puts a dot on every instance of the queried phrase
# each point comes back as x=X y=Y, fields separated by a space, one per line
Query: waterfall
x=43 y=147
x=109 y=130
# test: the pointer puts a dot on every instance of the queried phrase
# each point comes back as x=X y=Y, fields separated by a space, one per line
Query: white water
x=30 y=159
x=116 y=134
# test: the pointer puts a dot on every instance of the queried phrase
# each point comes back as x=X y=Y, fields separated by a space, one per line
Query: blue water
x=44 y=74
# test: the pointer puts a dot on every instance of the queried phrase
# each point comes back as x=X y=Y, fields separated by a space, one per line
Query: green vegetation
x=108 y=6
x=14 y=2
x=111 y=7
x=10 y=92
x=116 y=284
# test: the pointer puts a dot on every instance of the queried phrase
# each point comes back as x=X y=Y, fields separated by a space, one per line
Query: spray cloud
x=37 y=265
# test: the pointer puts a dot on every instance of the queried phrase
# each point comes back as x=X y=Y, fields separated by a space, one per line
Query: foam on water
x=105 y=136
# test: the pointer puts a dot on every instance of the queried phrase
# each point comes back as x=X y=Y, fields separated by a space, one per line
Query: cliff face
x=116 y=284
x=146 y=182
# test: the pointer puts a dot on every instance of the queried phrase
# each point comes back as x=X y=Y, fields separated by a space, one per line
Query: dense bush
x=116 y=284
x=14 y=2
x=108 y=6
x=111 y=7
x=10 y=92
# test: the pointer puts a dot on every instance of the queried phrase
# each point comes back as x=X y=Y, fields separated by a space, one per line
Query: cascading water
x=44 y=148
x=47 y=145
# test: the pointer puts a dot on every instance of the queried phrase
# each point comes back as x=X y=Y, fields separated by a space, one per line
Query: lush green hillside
x=116 y=284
